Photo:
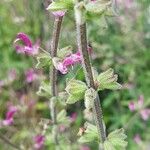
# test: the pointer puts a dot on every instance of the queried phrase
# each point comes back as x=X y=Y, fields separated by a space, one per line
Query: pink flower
x=84 y=148
x=30 y=75
x=73 y=117
x=62 y=68
x=9 y=116
x=58 y=13
x=145 y=114
x=131 y=106
x=62 y=128
x=140 y=101
x=39 y=142
x=28 y=48
x=70 y=61
x=137 y=139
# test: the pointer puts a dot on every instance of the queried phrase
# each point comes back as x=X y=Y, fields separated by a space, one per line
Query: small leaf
x=62 y=117
x=62 y=97
x=117 y=139
x=90 y=134
x=76 y=90
x=90 y=96
x=108 y=80
x=105 y=75
x=44 y=90
x=43 y=60
x=73 y=99
x=108 y=145
x=64 y=52
x=61 y=5
x=98 y=7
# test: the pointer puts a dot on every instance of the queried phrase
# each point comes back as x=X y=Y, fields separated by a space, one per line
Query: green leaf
x=44 y=90
x=62 y=97
x=62 y=5
x=108 y=80
x=117 y=139
x=73 y=99
x=76 y=90
x=62 y=117
x=90 y=96
x=90 y=134
x=97 y=7
x=43 y=60
x=108 y=145
x=62 y=53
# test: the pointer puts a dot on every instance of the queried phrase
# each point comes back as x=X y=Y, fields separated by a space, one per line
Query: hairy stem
x=97 y=110
x=53 y=71
x=8 y=142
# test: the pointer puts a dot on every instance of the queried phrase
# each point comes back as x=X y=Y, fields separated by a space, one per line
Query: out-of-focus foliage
x=121 y=43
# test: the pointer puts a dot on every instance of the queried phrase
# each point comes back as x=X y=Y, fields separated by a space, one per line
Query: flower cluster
x=139 y=105
x=69 y=60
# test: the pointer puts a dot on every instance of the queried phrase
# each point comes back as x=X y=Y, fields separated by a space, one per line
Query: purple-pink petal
x=39 y=142
x=73 y=117
x=9 y=115
x=145 y=114
x=30 y=75
x=11 y=111
x=137 y=139
x=131 y=106
x=140 y=101
x=27 y=47
x=62 y=128
x=58 y=13
x=72 y=59
x=62 y=68
x=84 y=148
x=24 y=38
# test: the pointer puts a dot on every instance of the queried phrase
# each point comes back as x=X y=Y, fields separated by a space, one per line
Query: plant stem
x=8 y=142
x=97 y=110
x=53 y=71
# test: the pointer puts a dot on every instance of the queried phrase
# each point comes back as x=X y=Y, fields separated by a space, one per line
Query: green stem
x=53 y=71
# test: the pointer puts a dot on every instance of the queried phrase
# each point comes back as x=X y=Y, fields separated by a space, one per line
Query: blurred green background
x=122 y=43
